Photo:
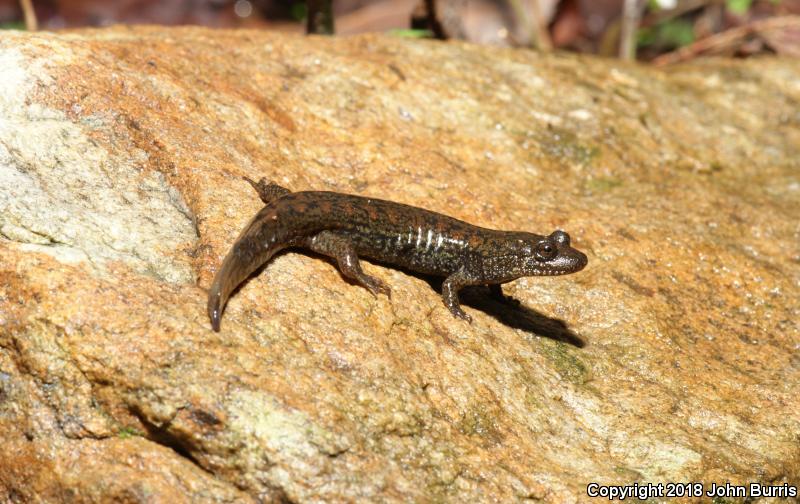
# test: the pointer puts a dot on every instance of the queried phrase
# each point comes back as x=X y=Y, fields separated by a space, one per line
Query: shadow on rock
x=491 y=301
x=512 y=313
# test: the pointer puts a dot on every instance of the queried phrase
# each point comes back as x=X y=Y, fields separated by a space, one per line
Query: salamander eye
x=545 y=251
x=560 y=237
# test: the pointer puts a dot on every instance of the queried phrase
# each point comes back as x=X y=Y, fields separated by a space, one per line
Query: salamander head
x=552 y=255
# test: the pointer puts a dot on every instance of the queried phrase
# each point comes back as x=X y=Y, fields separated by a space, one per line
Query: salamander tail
x=255 y=245
x=215 y=310
x=236 y=267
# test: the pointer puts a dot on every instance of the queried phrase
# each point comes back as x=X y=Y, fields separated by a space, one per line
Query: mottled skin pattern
x=346 y=227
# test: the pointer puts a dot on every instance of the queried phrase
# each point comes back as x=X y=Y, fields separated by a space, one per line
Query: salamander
x=347 y=227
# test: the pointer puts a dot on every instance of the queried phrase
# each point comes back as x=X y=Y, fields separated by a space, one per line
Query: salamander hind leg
x=267 y=191
x=341 y=248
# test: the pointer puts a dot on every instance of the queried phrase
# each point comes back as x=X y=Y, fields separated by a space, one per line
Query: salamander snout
x=554 y=256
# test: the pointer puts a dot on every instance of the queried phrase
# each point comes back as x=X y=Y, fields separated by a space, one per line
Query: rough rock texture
x=121 y=156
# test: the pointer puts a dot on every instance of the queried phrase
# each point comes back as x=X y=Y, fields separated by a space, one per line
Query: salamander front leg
x=450 y=288
x=340 y=248
x=267 y=191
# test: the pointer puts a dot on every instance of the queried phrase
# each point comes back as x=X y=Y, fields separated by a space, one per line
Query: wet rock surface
x=672 y=357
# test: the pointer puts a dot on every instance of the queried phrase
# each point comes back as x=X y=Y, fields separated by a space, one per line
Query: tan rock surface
x=121 y=156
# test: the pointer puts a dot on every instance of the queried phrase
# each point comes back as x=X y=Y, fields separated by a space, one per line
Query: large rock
x=672 y=357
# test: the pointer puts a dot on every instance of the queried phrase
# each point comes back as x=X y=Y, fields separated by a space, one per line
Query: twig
x=30 y=15
x=726 y=39
x=445 y=18
x=433 y=20
x=682 y=7
x=631 y=15
x=320 y=17
x=540 y=33
x=537 y=30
